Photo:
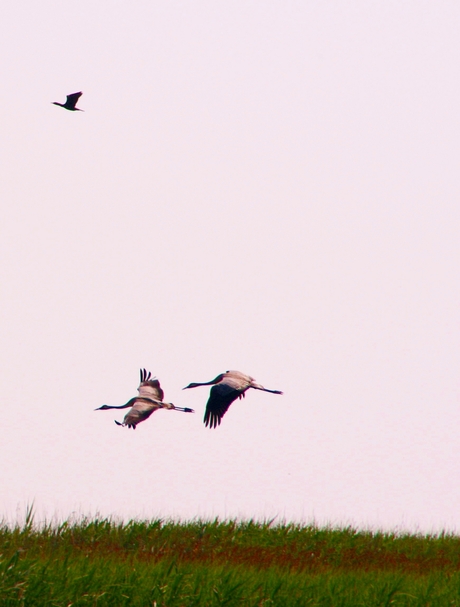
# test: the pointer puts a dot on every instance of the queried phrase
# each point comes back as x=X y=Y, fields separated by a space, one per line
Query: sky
x=257 y=185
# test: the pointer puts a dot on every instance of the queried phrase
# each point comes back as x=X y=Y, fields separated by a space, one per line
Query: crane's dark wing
x=72 y=99
x=137 y=415
x=220 y=399
x=150 y=388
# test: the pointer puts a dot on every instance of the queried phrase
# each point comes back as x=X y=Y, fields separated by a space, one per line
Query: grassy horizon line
x=165 y=563
x=262 y=544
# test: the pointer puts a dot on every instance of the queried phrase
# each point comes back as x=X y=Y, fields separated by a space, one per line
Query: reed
x=247 y=563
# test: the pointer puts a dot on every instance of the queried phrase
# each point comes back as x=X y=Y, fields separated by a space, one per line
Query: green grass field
x=171 y=564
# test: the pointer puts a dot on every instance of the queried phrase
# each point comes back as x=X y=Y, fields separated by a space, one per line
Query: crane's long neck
x=105 y=407
x=203 y=383
x=216 y=380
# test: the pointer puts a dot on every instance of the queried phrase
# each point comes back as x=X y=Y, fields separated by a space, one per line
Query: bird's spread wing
x=73 y=98
x=139 y=412
x=220 y=399
x=135 y=416
x=150 y=388
x=132 y=417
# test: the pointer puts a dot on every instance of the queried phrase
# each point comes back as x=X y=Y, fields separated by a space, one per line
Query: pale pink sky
x=264 y=186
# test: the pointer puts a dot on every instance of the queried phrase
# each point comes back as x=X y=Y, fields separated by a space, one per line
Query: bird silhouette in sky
x=71 y=102
x=226 y=388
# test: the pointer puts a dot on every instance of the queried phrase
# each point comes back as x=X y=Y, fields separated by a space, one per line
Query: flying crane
x=71 y=102
x=226 y=388
x=149 y=400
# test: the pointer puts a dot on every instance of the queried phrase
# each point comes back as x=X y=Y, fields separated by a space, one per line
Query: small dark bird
x=149 y=400
x=227 y=387
x=71 y=102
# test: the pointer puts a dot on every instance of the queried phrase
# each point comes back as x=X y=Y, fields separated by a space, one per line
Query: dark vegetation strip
x=248 y=544
x=79 y=581
x=211 y=563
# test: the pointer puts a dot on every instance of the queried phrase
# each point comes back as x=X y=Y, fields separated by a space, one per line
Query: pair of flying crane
x=226 y=387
